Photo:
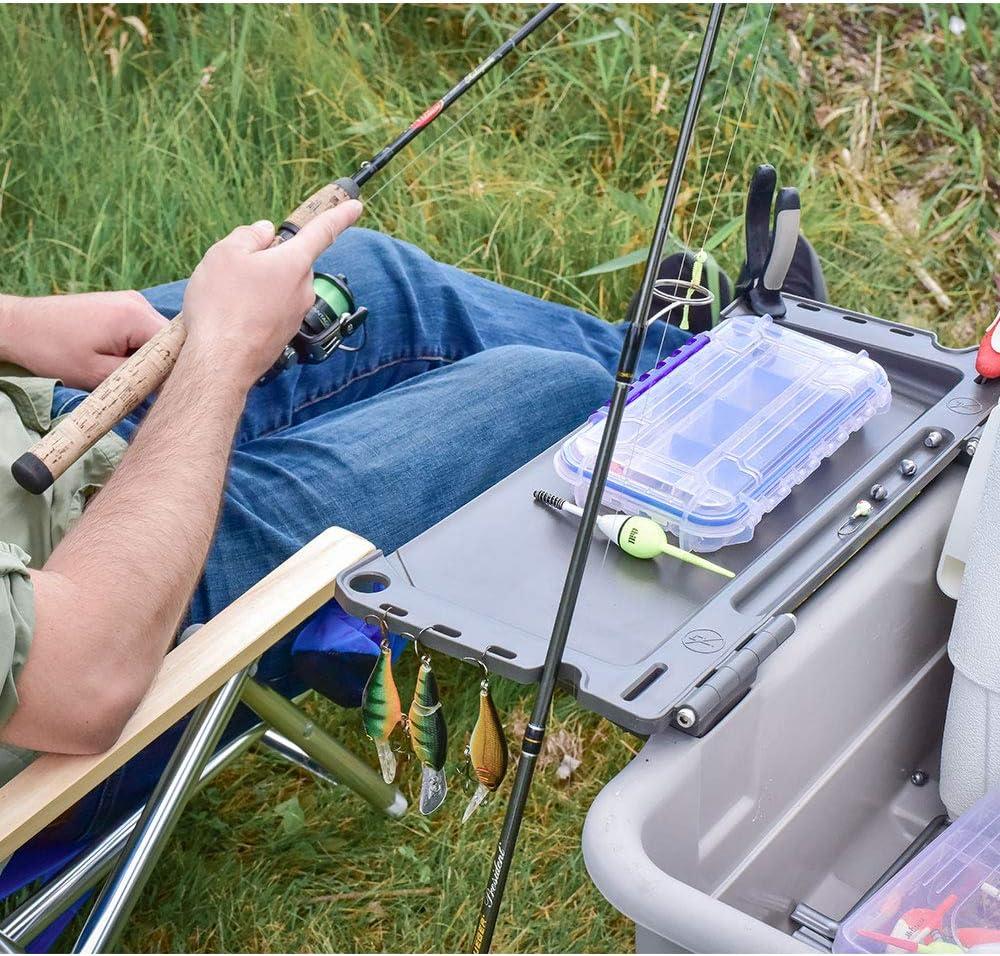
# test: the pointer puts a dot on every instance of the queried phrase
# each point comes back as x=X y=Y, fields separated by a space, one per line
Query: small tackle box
x=719 y=432
x=946 y=899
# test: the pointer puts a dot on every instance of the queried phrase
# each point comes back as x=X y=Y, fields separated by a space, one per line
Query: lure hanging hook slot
x=422 y=653
x=381 y=621
x=481 y=663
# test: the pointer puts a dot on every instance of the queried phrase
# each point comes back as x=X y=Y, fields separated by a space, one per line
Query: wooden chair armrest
x=190 y=673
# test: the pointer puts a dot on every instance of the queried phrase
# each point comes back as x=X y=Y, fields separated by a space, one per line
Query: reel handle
x=138 y=376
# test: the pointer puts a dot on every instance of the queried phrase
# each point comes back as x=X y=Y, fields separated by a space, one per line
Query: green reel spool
x=333 y=299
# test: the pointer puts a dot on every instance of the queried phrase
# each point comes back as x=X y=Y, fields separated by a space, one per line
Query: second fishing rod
x=635 y=336
x=332 y=318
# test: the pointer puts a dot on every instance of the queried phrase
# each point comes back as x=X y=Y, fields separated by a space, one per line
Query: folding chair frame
x=130 y=852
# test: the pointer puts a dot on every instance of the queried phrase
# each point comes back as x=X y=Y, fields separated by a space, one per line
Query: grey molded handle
x=787 y=213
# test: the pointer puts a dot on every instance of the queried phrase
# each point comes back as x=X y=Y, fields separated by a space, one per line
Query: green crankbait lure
x=429 y=737
x=487 y=750
x=381 y=710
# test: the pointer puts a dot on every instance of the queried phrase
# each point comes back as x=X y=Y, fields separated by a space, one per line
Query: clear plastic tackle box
x=946 y=899
x=719 y=432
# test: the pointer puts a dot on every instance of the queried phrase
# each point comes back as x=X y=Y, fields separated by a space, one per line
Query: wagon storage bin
x=802 y=792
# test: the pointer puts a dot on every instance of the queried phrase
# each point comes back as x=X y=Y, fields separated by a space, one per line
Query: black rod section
x=635 y=335
x=370 y=168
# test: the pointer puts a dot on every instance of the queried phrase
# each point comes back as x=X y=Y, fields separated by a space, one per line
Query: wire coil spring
x=669 y=291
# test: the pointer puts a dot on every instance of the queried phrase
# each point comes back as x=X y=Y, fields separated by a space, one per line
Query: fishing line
x=671 y=306
x=507 y=77
x=686 y=242
x=715 y=132
x=739 y=120
x=715 y=204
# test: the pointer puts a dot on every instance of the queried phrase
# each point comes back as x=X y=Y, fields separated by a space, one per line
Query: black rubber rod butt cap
x=32 y=474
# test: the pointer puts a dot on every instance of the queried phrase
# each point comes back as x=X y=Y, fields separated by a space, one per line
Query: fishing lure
x=428 y=736
x=487 y=748
x=381 y=710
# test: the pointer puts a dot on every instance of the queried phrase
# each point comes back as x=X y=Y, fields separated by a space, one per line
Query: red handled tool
x=988 y=357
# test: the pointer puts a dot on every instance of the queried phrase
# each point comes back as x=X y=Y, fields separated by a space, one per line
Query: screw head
x=933 y=439
x=879 y=492
x=686 y=718
x=971 y=445
x=907 y=468
x=919 y=778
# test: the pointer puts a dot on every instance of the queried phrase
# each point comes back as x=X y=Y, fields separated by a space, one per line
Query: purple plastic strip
x=662 y=368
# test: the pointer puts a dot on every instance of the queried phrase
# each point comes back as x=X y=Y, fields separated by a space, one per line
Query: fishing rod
x=331 y=319
x=635 y=336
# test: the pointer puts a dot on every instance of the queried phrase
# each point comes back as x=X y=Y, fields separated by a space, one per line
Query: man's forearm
x=113 y=592
x=11 y=309
x=115 y=589
x=157 y=515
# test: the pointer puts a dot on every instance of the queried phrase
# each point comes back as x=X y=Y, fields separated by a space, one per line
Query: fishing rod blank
x=635 y=336
x=367 y=170
x=146 y=370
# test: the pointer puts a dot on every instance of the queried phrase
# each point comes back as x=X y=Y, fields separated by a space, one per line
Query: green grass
x=117 y=170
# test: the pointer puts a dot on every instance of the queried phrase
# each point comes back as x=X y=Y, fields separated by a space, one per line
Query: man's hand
x=245 y=301
x=80 y=339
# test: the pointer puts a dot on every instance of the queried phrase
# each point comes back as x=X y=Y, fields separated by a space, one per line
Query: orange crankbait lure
x=487 y=750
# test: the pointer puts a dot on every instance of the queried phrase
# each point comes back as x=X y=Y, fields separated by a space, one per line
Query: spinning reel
x=333 y=317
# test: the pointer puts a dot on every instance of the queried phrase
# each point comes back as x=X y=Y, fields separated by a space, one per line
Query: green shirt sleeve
x=17 y=623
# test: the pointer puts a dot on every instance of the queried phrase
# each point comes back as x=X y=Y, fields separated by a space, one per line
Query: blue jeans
x=459 y=383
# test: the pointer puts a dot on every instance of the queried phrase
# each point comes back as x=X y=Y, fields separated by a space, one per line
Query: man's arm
x=111 y=595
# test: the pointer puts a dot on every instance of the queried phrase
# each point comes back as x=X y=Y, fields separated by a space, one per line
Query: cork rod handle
x=137 y=377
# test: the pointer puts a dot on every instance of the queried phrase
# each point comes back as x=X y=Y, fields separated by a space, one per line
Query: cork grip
x=136 y=378
x=96 y=415
x=332 y=194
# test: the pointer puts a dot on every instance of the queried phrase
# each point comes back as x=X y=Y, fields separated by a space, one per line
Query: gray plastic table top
x=646 y=633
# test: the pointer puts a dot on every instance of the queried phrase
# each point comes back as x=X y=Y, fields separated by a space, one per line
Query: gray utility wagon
x=790 y=760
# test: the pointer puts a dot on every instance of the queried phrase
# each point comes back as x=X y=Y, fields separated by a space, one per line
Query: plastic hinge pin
x=813 y=919
x=709 y=701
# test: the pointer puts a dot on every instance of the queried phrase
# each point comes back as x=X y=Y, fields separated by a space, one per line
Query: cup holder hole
x=369 y=582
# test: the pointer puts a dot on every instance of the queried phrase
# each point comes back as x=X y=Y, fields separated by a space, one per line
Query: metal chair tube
x=159 y=817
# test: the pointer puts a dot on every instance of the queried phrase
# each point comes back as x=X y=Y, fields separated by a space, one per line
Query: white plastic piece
x=951 y=567
x=398 y=807
x=970 y=752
